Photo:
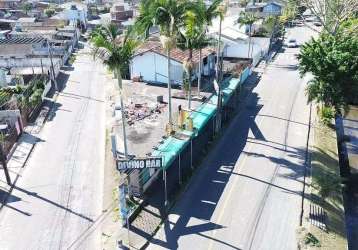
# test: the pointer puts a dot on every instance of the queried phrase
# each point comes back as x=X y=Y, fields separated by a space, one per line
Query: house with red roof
x=149 y=63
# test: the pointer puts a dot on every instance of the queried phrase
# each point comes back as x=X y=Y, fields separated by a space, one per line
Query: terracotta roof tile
x=176 y=53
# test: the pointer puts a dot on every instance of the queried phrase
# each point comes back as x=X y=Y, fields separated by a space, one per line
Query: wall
x=153 y=68
x=30 y=62
x=10 y=116
x=272 y=9
x=263 y=43
x=208 y=68
x=239 y=49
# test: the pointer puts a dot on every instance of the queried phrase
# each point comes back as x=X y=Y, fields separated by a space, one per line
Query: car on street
x=292 y=43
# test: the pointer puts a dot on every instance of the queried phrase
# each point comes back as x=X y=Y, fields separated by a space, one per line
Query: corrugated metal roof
x=233 y=34
x=21 y=40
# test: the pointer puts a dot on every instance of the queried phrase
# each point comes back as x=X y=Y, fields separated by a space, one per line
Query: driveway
x=247 y=193
x=59 y=194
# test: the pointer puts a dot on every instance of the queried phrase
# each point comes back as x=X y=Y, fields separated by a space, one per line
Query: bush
x=49 y=12
x=326 y=114
x=36 y=97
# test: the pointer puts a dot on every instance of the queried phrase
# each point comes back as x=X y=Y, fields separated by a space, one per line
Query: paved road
x=247 y=195
x=60 y=192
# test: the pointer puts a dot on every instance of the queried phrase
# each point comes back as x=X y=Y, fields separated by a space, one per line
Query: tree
x=26 y=7
x=193 y=35
x=115 y=50
x=168 y=15
x=221 y=10
x=189 y=37
x=289 y=12
x=247 y=19
x=332 y=13
x=332 y=59
x=49 y=12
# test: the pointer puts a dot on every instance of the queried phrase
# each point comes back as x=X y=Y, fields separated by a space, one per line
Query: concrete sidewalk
x=18 y=158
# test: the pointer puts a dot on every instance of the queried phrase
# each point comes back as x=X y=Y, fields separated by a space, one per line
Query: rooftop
x=21 y=40
x=233 y=34
x=176 y=53
x=26 y=19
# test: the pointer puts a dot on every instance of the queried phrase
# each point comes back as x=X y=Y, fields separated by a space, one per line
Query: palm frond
x=114 y=49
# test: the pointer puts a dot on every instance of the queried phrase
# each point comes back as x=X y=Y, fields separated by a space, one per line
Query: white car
x=292 y=43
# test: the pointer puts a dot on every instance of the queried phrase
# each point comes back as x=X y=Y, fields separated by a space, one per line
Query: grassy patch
x=326 y=190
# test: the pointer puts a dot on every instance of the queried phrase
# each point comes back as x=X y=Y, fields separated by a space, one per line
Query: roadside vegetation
x=332 y=60
x=326 y=192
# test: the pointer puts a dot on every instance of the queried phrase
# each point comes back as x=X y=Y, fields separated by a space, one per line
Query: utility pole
x=120 y=86
x=218 y=113
x=52 y=68
x=4 y=163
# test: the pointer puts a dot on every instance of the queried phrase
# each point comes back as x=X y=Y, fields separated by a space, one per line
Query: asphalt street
x=247 y=193
x=59 y=194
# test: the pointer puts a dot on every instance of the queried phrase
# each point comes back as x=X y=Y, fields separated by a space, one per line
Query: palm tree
x=115 y=50
x=222 y=10
x=189 y=37
x=193 y=35
x=247 y=19
x=197 y=42
x=168 y=16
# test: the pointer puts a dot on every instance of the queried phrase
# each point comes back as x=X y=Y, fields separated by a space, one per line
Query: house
x=236 y=41
x=149 y=63
x=265 y=9
x=10 y=4
x=237 y=44
x=73 y=12
x=36 y=49
x=120 y=13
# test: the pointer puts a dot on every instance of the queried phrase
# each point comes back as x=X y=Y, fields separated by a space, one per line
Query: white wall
x=263 y=42
x=31 y=62
x=152 y=67
x=239 y=49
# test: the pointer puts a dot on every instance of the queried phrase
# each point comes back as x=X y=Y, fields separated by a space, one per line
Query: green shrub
x=311 y=240
x=327 y=114
x=49 y=12
x=36 y=97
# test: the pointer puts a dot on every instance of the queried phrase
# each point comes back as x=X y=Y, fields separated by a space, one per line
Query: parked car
x=292 y=43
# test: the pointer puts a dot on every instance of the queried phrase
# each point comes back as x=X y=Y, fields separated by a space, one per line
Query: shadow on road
x=207 y=186
x=213 y=175
x=7 y=198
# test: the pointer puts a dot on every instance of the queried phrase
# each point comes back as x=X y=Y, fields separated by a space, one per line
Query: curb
x=4 y=202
